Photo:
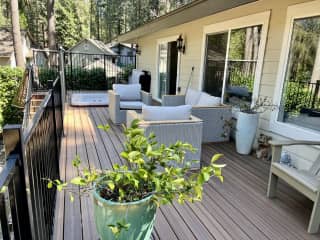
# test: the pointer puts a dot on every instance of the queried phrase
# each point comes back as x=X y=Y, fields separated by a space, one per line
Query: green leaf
x=50 y=184
x=76 y=161
x=104 y=127
x=78 y=181
x=111 y=185
x=71 y=197
x=216 y=157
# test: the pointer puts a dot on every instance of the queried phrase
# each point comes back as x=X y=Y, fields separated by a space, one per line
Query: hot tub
x=89 y=99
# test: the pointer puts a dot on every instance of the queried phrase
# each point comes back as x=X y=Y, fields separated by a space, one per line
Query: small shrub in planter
x=126 y=198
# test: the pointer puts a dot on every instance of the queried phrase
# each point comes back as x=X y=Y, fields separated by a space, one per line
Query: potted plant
x=247 y=123
x=126 y=197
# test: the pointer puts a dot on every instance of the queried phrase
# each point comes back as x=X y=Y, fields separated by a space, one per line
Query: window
x=231 y=62
x=300 y=100
x=297 y=90
x=233 y=56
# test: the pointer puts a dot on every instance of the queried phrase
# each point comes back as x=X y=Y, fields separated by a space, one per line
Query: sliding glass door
x=168 y=65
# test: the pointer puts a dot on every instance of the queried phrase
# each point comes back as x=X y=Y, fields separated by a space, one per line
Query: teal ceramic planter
x=140 y=215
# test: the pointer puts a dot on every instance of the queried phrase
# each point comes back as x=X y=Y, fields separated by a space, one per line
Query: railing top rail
x=28 y=132
x=7 y=172
x=102 y=54
x=44 y=50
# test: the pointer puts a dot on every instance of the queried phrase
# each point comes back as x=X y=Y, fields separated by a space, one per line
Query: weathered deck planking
x=236 y=209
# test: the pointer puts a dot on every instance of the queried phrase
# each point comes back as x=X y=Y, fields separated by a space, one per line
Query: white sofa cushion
x=208 y=100
x=135 y=76
x=192 y=97
x=133 y=105
x=159 y=113
x=127 y=92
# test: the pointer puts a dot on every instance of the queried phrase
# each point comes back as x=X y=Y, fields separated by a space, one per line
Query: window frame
x=227 y=26
x=298 y=11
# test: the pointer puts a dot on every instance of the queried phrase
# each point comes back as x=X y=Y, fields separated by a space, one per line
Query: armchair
x=124 y=97
x=305 y=181
x=169 y=131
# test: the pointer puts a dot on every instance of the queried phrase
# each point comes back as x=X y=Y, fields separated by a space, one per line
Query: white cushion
x=192 y=97
x=128 y=91
x=134 y=105
x=135 y=76
x=208 y=100
x=160 y=113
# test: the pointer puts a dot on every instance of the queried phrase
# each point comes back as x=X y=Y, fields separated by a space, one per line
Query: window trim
x=303 y=10
x=226 y=26
x=163 y=41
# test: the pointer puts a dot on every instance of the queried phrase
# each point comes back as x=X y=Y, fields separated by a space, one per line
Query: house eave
x=190 y=12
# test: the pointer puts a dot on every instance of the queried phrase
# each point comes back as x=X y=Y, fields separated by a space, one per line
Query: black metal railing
x=302 y=96
x=82 y=71
x=31 y=157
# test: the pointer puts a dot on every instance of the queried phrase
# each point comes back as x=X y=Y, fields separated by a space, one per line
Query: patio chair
x=170 y=125
x=305 y=181
x=208 y=108
x=124 y=97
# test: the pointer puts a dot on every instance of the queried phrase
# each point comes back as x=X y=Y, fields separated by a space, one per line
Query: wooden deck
x=236 y=209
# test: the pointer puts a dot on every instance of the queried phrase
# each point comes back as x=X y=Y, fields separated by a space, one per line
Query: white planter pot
x=246 y=129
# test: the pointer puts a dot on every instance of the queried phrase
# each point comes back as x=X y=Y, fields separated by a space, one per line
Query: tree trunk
x=16 y=33
x=51 y=31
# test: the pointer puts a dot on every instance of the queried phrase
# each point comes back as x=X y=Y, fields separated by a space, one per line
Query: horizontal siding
x=193 y=34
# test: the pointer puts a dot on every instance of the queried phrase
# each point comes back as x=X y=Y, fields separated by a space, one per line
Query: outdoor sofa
x=216 y=116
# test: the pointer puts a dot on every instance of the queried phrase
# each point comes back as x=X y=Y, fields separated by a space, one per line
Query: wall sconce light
x=181 y=45
x=138 y=50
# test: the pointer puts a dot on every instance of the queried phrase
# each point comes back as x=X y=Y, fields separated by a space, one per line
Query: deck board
x=235 y=209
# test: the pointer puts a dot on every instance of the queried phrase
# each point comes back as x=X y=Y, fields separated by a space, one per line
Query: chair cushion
x=208 y=100
x=160 y=113
x=133 y=105
x=302 y=176
x=135 y=76
x=128 y=91
x=192 y=97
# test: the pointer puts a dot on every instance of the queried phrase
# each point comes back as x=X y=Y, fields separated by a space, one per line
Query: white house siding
x=193 y=33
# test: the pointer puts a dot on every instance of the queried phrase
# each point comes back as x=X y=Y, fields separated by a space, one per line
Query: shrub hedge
x=10 y=79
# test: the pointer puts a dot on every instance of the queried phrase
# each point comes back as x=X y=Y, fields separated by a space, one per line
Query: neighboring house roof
x=98 y=44
x=192 y=11
x=116 y=44
x=6 y=42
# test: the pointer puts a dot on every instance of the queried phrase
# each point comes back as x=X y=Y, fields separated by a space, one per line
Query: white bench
x=305 y=181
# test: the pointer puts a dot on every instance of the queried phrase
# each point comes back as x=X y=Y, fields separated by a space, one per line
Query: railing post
x=316 y=93
x=54 y=121
x=12 y=136
x=62 y=78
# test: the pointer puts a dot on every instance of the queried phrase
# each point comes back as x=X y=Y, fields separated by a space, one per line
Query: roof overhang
x=190 y=12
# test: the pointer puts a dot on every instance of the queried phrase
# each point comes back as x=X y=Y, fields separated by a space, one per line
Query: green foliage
x=46 y=74
x=241 y=79
x=78 y=78
x=126 y=71
x=68 y=23
x=150 y=169
x=86 y=79
x=10 y=79
x=296 y=96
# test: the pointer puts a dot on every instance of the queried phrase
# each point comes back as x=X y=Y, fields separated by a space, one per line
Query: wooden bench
x=305 y=181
